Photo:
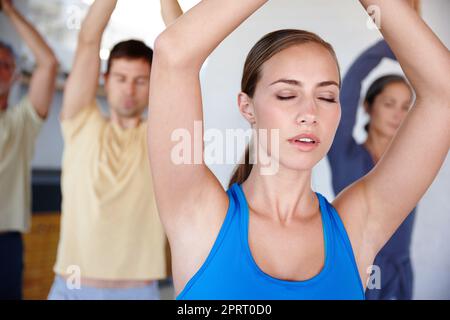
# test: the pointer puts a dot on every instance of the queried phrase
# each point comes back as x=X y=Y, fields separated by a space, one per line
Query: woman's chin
x=299 y=164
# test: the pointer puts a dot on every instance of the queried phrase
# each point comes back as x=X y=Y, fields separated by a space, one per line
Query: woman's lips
x=305 y=142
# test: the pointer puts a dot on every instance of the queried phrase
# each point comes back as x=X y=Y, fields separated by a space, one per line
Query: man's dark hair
x=132 y=50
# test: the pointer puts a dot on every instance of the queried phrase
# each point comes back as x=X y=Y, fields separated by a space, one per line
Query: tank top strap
x=326 y=217
x=340 y=235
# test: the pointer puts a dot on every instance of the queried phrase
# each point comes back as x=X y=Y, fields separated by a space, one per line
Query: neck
x=283 y=196
x=377 y=144
x=125 y=122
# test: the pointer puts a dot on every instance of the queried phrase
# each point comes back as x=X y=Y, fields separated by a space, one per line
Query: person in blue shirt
x=387 y=101
x=270 y=236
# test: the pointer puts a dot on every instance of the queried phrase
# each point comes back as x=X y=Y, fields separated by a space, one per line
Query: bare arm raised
x=43 y=80
x=383 y=198
x=82 y=84
x=170 y=10
x=191 y=202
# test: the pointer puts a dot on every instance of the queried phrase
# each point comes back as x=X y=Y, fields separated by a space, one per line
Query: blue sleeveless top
x=231 y=273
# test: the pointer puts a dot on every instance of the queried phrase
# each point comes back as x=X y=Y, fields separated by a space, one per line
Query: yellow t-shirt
x=110 y=228
x=19 y=127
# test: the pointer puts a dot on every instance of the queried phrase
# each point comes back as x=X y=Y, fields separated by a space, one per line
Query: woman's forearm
x=192 y=38
x=170 y=11
x=423 y=57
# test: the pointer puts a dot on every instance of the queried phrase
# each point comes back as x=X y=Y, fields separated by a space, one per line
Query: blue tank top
x=230 y=272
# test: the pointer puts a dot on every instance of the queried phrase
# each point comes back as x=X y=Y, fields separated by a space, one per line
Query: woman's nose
x=307 y=114
x=307 y=120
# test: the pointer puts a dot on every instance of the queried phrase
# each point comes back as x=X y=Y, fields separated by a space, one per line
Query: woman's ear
x=246 y=107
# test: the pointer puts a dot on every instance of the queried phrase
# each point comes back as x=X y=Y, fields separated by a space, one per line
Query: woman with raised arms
x=272 y=236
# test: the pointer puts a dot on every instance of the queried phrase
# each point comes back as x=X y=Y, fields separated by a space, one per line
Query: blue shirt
x=231 y=273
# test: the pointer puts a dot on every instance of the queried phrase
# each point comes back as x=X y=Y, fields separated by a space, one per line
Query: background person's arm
x=82 y=84
x=344 y=143
x=170 y=11
x=383 y=199
x=43 y=79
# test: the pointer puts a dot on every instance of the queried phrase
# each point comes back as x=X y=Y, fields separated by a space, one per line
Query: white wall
x=343 y=24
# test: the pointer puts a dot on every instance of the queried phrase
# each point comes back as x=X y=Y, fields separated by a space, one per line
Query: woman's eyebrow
x=300 y=84
x=288 y=81
x=328 y=83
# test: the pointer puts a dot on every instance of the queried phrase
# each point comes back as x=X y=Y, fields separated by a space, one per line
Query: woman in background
x=387 y=101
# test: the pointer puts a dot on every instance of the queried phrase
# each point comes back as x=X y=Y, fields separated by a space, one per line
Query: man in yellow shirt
x=19 y=126
x=112 y=244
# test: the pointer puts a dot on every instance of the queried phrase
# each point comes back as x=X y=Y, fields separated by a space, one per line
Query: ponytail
x=242 y=171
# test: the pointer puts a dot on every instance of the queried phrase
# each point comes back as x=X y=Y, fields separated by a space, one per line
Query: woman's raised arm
x=391 y=190
x=187 y=190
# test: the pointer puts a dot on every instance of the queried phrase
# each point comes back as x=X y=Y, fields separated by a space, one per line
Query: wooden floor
x=40 y=254
x=41 y=245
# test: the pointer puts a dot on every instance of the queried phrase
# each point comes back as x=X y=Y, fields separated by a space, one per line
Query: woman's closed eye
x=285 y=97
x=290 y=97
x=328 y=99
